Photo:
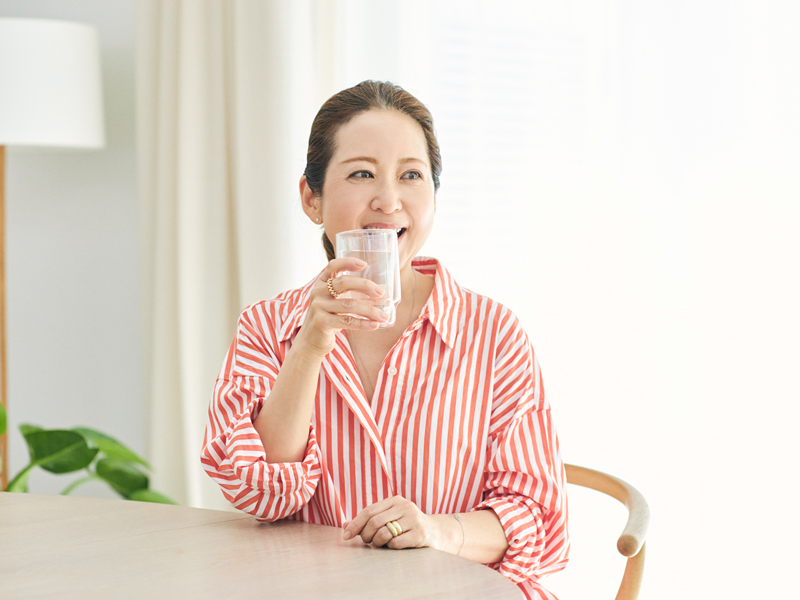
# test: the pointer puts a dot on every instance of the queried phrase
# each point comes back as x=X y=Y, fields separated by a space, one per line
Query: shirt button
x=392 y=371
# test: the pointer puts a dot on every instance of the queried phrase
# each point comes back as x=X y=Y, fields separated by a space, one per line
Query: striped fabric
x=458 y=422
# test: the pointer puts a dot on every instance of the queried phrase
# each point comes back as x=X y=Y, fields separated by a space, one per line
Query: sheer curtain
x=226 y=92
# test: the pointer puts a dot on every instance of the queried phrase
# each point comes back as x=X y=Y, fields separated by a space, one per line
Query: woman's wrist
x=306 y=348
x=476 y=535
x=449 y=536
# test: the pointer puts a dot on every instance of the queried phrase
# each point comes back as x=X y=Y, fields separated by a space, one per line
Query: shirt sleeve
x=232 y=453
x=524 y=478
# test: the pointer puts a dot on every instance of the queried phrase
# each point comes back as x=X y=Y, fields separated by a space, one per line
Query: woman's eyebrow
x=368 y=159
x=374 y=161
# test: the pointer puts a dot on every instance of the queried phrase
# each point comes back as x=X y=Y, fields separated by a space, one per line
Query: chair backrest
x=632 y=541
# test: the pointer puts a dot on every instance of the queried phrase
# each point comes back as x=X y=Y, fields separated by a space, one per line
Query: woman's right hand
x=327 y=315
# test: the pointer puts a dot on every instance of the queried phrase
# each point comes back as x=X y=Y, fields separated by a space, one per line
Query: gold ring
x=394 y=528
x=333 y=292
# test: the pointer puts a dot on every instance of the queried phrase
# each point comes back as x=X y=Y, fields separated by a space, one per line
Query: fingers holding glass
x=353 y=302
x=351 y=286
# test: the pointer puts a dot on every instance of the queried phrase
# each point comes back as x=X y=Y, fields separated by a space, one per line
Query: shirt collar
x=443 y=308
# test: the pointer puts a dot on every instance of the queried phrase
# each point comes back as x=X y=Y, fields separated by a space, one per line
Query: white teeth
x=397 y=229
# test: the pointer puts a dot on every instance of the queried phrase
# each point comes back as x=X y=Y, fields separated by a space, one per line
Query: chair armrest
x=635 y=532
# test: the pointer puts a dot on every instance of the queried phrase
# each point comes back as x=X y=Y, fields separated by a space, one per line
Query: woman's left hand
x=419 y=530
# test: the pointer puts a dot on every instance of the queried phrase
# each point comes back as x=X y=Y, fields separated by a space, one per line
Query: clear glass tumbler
x=378 y=248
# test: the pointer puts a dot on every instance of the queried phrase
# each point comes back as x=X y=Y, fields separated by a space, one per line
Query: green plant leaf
x=20 y=481
x=111 y=447
x=121 y=475
x=26 y=428
x=151 y=496
x=57 y=450
x=2 y=419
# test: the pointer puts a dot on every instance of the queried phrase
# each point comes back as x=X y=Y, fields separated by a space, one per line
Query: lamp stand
x=3 y=371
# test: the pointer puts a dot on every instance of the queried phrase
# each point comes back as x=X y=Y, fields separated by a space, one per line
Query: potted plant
x=105 y=459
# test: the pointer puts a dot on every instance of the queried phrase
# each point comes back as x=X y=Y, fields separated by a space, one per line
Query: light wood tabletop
x=68 y=547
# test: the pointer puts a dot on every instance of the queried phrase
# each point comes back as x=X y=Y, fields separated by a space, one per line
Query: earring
x=316 y=220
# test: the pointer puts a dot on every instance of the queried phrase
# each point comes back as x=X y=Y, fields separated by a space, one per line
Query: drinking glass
x=378 y=248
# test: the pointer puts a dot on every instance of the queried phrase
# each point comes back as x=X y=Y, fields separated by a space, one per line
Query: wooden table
x=68 y=547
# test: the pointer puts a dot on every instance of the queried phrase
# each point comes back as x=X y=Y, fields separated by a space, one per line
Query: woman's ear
x=311 y=204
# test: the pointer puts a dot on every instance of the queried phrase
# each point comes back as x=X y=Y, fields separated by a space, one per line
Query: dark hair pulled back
x=340 y=108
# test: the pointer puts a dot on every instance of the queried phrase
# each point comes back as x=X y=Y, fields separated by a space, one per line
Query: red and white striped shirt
x=458 y=422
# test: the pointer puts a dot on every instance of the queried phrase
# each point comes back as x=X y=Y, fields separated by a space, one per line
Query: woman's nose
x=387 y=200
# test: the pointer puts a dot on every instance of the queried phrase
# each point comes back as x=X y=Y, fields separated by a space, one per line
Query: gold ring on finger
x=333 y=292
x=394 y=528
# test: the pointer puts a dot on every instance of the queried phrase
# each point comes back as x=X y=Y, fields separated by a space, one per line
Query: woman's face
x=379 y=176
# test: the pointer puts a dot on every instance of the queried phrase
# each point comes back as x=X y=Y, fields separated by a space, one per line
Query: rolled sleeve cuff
x=248 y=461
x=522 y=523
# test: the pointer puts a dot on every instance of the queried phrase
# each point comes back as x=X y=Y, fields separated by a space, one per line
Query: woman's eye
x=412 y=175
x=361 y=174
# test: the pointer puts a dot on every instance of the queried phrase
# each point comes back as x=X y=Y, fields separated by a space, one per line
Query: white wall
x=74 y=306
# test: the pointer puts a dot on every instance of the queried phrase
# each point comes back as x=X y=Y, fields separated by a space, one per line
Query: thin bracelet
x=457 y=518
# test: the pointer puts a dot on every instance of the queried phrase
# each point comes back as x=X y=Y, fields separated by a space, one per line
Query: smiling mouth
x=399 y=230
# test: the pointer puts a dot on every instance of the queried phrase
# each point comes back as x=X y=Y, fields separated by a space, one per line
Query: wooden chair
x=631 y=542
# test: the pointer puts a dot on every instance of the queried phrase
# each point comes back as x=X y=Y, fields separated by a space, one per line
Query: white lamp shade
x=50 y=90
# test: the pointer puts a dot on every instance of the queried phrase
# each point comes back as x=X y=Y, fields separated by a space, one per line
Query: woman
x=433 y=432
